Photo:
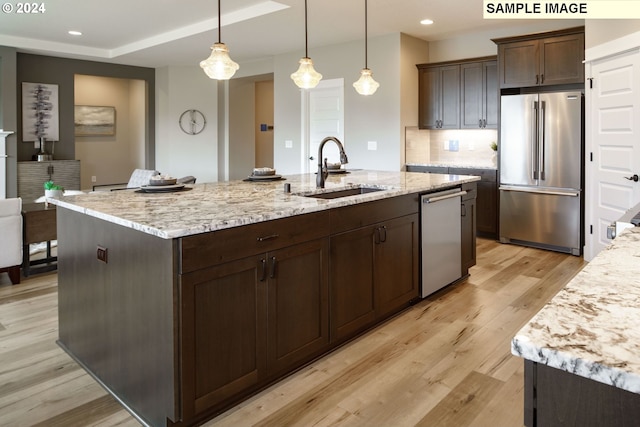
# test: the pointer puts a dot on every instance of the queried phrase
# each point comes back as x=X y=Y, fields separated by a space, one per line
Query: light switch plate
x=288 y=143
x=372 y=145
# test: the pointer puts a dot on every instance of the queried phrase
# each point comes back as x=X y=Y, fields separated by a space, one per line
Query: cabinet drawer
x=204 y=250
x=363 y=214
x=428 y=169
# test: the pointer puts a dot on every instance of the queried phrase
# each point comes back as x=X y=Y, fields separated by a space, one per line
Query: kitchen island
x=183 y=304
x=582 y=350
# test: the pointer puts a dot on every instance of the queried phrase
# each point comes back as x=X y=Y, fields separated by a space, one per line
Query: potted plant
x=494 y=157
x=53 y=190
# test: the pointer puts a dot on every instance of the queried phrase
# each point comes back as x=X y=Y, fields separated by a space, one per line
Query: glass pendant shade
x=219 y=65
x=365 y=84
x=306 y=77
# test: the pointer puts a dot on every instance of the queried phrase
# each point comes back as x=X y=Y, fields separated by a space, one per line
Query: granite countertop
x=590 y=328
x=214 y=206
x=455 y=165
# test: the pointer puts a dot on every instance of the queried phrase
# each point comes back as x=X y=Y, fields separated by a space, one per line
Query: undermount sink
x=345 y=192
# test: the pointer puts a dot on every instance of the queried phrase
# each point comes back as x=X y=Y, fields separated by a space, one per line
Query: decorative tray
x=161 y=188
x=264 y=178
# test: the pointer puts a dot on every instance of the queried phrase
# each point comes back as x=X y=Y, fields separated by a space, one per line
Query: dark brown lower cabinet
x=557 y=398
x=468 y=217
x=249 y=320
x=374 y=273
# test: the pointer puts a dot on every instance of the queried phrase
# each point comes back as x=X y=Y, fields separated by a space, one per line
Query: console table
x=38 y=225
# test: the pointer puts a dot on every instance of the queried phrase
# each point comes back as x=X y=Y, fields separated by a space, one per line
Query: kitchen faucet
x=323 y=171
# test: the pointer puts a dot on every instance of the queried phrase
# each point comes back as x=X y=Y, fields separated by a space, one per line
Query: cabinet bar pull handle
x=384 y=235
x=273 y=236
x=479 y=123
x=263 y=274
x=272 y=274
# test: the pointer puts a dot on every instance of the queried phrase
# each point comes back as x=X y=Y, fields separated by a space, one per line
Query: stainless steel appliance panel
x=441 y=240
x=560 y=146
x=546 y=218
x=518 y=154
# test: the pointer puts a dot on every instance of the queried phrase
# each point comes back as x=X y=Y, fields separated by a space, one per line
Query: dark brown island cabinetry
x=459 y=94
x=486 y=221
x=374 y=263
x=553 y=58
x=181 y=329
x=553 y=397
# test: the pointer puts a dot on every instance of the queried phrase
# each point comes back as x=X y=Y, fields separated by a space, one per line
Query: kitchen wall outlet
x=454 y=145
x=472 y=146
x=446 y=145
x=93 y=178
x=372 y=145
x=288 y=143
x=102 y=254
x=36 y=144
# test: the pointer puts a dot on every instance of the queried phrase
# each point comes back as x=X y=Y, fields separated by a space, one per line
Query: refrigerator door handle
x=534 y=146
x=543 y=142
x=539 y=191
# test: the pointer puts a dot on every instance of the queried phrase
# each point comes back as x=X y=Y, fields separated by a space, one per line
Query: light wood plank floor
x=444 y=362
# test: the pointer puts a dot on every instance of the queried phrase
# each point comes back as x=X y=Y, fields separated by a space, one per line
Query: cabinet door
x=561 y=59
x=450 y=104
x=472 y=92
x=491 y=95
x=487 y=206
x=430 y=98
x=519 y=63
x=395 y=264
x=298 y=308
x=351 y=278
x=223 y=332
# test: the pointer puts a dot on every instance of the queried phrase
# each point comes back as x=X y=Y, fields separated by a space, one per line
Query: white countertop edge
x=629 y=381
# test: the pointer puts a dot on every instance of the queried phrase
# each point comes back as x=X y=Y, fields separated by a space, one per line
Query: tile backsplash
x=451 y=147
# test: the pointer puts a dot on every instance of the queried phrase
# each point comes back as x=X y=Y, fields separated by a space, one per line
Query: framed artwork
x=40 y=112
x=94 y=121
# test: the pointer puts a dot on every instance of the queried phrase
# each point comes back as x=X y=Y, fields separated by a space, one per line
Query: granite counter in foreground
x=215 y=206
x=590 y=328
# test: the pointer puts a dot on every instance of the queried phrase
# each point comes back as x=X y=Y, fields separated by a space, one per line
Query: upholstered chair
x=11 y=238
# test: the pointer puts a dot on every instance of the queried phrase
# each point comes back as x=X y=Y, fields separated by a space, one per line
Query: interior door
x=326 y=118
x=613 y=145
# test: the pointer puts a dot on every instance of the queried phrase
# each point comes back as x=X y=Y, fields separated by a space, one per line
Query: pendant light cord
x=306 y=52
x=219 y=23
x=365 y=35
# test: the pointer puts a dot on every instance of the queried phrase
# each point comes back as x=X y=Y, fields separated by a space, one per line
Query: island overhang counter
x=582 y=350
x=182 y=304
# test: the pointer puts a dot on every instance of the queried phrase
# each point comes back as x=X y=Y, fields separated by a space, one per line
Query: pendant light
x=219 y=65
x=365 y=84
x=306 y=77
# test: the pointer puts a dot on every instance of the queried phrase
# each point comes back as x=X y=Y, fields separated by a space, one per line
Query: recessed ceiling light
x=75 y=33
x=426 y=22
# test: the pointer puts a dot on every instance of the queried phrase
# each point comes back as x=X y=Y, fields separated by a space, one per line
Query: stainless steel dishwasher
x=441 y=239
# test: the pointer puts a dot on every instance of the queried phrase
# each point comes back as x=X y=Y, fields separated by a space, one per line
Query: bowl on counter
x=162 y=180
x=263 y=171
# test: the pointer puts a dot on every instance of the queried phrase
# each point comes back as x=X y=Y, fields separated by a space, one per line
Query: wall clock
x=192 y=122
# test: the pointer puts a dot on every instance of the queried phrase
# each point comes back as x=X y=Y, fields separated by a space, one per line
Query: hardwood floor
x=445 y=361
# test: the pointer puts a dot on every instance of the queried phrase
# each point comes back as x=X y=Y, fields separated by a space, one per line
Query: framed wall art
x=94 y=120
x=40 y=112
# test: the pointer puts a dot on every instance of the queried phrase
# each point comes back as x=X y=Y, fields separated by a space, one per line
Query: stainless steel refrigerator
x=541 y=150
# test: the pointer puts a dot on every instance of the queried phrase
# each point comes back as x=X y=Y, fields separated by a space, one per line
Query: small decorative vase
x=53 y=194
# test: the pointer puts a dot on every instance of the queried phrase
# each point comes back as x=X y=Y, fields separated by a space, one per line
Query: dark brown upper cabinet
x=553 y=58
x=459 y=94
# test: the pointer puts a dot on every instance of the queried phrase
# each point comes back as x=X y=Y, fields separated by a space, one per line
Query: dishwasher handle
x=444 y=197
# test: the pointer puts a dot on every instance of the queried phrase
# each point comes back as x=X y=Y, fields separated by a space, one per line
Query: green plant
x=49 y=185
x=493 y=146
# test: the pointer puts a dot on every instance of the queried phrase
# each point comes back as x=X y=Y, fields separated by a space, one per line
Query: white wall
x=599 y=31
x=178 y=154
x=367 y=118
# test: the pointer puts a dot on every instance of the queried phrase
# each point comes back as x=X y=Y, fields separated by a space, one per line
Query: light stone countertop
x=591 y=327
x=214 y=206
